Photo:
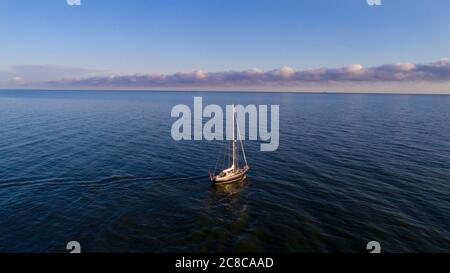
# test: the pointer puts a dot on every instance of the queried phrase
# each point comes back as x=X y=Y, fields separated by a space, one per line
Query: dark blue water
x=101 y=168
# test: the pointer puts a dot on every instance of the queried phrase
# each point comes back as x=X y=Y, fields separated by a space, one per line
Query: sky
x=275 y=45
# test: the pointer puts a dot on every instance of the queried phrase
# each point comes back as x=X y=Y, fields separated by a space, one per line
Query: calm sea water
x=101 y=168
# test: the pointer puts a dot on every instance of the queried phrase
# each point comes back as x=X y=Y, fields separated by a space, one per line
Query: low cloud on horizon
x=382 y=77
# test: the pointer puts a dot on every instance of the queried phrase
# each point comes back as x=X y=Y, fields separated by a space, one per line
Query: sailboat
x=234 y=173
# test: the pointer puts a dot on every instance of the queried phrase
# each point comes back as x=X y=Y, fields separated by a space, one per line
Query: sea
x=102 y=169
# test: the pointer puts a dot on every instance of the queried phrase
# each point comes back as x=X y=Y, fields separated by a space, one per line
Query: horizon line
x=428 y=93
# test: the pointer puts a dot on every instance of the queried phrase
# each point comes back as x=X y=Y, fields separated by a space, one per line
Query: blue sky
x=106 y=37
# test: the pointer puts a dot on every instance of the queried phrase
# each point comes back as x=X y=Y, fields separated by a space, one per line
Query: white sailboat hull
x=231 y=178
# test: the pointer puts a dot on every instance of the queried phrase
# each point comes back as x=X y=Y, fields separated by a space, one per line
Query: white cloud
x=284 y=72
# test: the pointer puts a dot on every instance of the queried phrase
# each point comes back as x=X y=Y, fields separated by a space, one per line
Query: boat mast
x=234 y=143
x=242 y=145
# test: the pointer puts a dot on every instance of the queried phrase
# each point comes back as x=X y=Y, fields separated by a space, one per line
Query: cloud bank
x=51 y=71
x=396 y=74
x=399 y=72
x=39 y=74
